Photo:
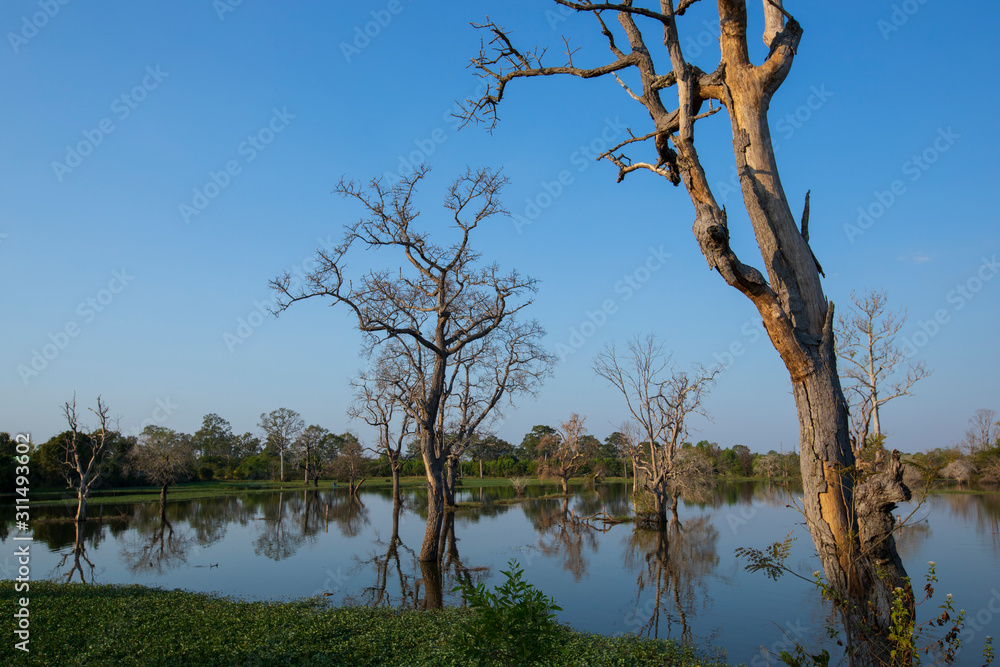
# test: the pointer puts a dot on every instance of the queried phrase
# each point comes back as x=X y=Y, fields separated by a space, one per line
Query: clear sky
x=160 y=162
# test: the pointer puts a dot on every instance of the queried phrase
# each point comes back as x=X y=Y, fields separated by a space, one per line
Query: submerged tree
x=660 y=399
x=508 y=363
x=432 y=307
x=569 y=450
x=866 y=343
x=163 y=457
x=850 y=520
x=85 y=453
x=382 y=396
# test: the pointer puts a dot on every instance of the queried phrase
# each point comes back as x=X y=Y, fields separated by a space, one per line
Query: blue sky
x=118 y=116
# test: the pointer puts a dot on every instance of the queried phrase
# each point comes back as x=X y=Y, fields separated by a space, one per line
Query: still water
x=684 y=584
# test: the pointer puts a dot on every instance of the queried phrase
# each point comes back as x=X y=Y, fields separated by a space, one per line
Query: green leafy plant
x=513 y=624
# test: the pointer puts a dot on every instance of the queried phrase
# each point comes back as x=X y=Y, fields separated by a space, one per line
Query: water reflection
x=683 y=582
x=155 y=547
x=672 y=566
x=78 y=554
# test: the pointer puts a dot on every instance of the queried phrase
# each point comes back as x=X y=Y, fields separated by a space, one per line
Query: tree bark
x=396 y=498
x=81 y=506
x=163 y=502
x=434 y=467
x=449 y=488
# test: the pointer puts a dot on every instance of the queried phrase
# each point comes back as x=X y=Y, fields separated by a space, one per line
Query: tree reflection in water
x=672 y=565
x=398 y=561
x=156 y=548
x=421 y=584
x=78 y=554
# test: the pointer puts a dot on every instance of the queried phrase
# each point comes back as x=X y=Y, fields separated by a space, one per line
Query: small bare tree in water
x=849 y=518
x=85 y=452
x=660 y=399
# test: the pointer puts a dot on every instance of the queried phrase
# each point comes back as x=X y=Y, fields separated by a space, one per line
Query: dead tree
x=570 y=451
x=507 y=364
x=850 y=520
x=439 y=302
x=382 y=400
x=85 y=453
x=866 y=344
x=660 y=399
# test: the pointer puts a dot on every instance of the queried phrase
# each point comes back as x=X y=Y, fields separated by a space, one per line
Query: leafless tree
x=850 y=519
x=570 y=451
x=434 y=306
x=872 y=363
x=163 y=457
x=85 y=452
x=630 y=446
x=660 y=399
x=281 y=427
x=382 y=396
x=984 y=431
x=506 y=364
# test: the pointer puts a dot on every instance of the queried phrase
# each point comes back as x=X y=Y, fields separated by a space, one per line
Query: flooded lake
x=685 y=584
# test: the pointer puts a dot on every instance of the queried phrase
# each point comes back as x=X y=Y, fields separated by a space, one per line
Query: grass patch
x=81 y=624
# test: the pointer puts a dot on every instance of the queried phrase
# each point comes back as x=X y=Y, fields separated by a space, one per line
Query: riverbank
x=220 y=488
x=134 y=625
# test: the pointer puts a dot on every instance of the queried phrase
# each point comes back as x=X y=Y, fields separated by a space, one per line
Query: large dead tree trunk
x=850 y=524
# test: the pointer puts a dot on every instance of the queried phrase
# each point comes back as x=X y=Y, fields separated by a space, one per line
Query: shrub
x=514 y=624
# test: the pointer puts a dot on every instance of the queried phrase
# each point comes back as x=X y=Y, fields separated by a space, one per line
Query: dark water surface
x=685 y=583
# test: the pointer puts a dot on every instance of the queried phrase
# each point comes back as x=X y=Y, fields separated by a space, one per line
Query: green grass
x=80 y=624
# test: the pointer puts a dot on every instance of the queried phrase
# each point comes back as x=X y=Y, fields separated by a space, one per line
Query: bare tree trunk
x=281 y=456
x=396 y=498
x=565 y=484
x=81 y=505
x=434 y=467
x=163 y=502
x=449 y=489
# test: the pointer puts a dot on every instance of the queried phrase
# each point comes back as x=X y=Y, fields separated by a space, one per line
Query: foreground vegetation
x=74 y=624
